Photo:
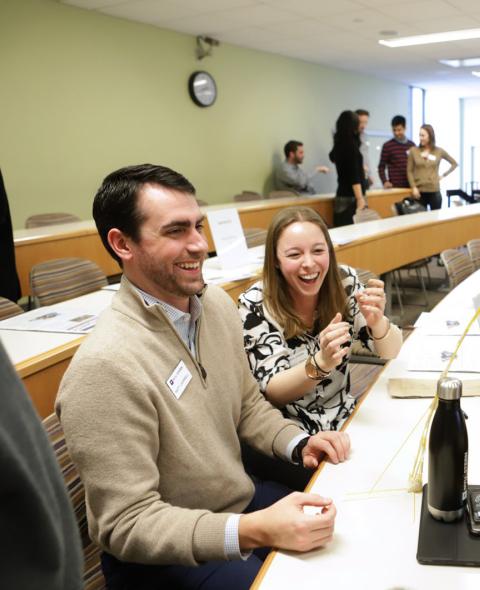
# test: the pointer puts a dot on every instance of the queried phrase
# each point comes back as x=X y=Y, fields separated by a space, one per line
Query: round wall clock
x=202 y=89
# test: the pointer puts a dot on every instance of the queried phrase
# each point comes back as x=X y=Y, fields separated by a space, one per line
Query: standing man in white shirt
x=363 y=117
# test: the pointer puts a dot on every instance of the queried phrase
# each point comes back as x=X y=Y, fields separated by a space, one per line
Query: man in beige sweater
x=157 y=399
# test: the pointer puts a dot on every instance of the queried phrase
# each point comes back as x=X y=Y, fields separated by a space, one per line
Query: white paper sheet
x=228 y=237
x=452 y=323
x=213 y=272
x=432 y=353
x=50 y=319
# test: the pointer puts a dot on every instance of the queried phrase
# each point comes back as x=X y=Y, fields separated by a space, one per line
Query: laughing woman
x=299 y=323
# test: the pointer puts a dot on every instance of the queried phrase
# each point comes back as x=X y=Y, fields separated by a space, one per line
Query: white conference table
x=380 y=246
x=41 y=358
x=376 y=532
x=81 y=239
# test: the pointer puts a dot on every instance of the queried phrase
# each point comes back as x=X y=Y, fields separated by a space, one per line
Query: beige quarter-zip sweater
x=423 y=172
x=162 y=474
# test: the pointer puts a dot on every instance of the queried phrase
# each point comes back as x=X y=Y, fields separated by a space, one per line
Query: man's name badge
x=179 y=379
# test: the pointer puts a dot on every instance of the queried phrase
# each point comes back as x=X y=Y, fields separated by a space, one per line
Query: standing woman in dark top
x=348 y=160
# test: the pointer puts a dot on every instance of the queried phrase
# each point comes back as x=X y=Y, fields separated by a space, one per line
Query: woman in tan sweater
x=422 y=169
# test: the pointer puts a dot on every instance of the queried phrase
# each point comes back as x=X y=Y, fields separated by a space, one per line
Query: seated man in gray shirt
x=289 y=176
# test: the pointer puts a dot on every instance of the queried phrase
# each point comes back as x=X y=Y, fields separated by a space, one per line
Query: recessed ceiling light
x=469 y=62
x=476 y=74
x=432 y=38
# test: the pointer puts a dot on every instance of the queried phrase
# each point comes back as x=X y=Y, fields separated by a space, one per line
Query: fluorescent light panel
x=470 y=62
x=432 y=38
x=476 y=74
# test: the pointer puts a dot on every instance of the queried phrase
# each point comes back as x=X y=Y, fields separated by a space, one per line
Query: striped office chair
x=65 y=278
x=473 y=247
x=92 y=576
x=416 y=266
x=359 y=354
x=43 y=219
x=366 y=214
x=255 y=236
x=281 y=194
x=8 y=308
x=458 y=266
x=247 y=196
x=362 y=216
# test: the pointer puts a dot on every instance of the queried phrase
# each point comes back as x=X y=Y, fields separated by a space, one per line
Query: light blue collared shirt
x=185 y=323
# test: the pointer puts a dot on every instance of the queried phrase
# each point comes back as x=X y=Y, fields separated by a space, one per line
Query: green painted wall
x=83 y=94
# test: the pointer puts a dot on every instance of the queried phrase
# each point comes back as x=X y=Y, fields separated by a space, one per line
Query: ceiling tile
x=149 y=11
x=341 y=33
x=412 y=12
x=92 y=4
x=455 y=23
x=315 y=8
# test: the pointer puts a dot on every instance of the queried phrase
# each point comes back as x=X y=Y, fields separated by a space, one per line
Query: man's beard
x=167 y=281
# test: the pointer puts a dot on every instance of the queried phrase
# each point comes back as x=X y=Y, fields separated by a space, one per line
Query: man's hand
x=415 y=193
x=322 y=169
x=387 y=184
x=335 y=445
x=284 y=525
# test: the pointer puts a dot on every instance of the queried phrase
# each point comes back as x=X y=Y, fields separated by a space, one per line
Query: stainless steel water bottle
x=448 y=454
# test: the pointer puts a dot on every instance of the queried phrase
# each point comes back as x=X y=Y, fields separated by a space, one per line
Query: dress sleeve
x=265 y=345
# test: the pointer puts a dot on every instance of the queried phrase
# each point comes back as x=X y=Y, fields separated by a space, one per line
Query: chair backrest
x=8 y=308
x=255 y=236
x=473 y=247
x=93 y=577
x=49 y=219
x=247 y=196
x=365 y=275
x=65 y=278
x=458 y=266
x=281 y=194
x=365 y=215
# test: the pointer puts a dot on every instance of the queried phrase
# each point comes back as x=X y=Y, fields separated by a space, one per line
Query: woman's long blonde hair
x=277 y=299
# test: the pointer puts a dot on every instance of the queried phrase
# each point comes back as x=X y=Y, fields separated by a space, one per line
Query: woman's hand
x=361 y=204
x=332 y=340
x=371 y=302
x=415 y=193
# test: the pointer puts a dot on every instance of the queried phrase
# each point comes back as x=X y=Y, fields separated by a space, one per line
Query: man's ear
x=120 y=244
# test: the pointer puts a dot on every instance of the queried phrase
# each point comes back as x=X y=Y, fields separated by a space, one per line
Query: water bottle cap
x=449 y=388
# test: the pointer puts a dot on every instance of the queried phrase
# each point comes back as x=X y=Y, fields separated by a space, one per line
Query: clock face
x=202 y=89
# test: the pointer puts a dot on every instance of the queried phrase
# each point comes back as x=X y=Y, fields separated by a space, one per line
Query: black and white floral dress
x=329 y=404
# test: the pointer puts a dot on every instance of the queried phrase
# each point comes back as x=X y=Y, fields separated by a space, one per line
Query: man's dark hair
x=291 y=146
x=399 y=120
x=115 y=204
x=361 y=112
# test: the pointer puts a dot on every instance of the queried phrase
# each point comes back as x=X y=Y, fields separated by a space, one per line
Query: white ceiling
x=339 y=33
